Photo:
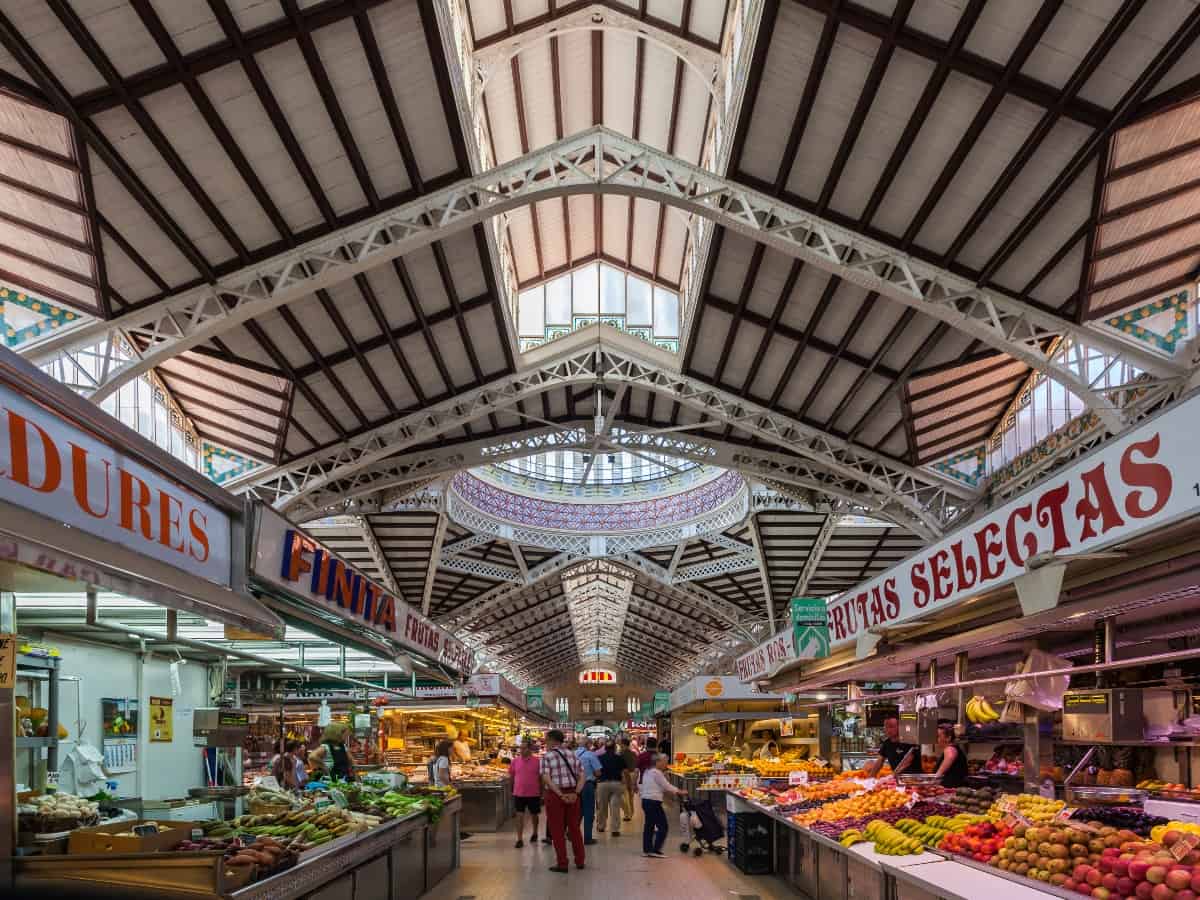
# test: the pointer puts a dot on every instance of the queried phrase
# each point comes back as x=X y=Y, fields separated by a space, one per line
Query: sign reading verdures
x=54 y=467
x=288 y=558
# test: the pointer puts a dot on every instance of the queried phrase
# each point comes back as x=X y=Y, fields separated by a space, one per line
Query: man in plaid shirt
x=562 y=776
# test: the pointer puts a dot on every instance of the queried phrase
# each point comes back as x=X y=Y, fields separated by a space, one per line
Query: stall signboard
x=288 y=558
x=767 y=658
x=716 y=688
x=62 y=472
x=479 y=685
x=534 y=697
x=1143 y=480
x=661 y=703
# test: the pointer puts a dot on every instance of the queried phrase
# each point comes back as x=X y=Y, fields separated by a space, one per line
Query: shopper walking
x=654 y=787
x=590 y=762
x=629 y=779
x=562 y=775
x=525 y=772
x=645 y=759
x=610 y=788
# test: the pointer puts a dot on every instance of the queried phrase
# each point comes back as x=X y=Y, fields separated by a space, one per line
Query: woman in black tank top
x=952 y=766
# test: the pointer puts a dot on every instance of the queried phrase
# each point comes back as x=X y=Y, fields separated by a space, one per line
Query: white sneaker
x=657 y=855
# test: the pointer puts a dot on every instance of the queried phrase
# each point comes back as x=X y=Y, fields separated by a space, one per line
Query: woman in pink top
x=525 y=772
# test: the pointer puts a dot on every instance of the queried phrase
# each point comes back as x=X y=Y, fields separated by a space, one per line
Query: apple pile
x=983 y=841
x=1103 y=862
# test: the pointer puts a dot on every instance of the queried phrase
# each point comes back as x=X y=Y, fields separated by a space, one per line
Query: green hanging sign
x=662 y=702
x=534 y=697
x=810 y=628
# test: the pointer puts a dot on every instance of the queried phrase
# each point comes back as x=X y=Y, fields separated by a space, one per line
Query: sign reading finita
x=1143 y=480
x=288 y=558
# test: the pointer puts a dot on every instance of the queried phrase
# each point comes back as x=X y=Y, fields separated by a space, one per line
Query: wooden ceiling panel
x=955 y=107
x=1030 y=184
x=358 y=95
x=1133 y=53
x=789 y=58
x=844 y=78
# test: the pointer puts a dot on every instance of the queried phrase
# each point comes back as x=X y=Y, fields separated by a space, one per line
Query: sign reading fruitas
x=287 y=557
x=1144 y=480
x=806 y=638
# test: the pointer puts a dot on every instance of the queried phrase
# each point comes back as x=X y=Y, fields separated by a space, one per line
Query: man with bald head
x=897 y=755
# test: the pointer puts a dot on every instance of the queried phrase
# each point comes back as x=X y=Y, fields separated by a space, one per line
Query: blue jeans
x=587 y=797
x=654 y=832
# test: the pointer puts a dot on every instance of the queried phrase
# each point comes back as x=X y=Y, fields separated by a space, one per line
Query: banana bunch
x=850 y=837
x=700 y=731
x=980 y=712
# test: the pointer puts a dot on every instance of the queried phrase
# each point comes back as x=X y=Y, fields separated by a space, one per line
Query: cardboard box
x=107 y=839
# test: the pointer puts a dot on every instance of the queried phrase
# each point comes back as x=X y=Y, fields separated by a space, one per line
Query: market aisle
x=492 y=869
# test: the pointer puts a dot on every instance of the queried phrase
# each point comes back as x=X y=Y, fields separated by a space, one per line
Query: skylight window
x=569 y=466
x=598 y=292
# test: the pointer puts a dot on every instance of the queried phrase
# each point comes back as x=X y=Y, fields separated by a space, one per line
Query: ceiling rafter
x=962 y=61
x=96 y=55
x=813 y=561
x=1120 y=115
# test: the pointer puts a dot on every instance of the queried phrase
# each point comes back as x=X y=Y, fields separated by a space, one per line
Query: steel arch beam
x=601 y=353
x=598 y=161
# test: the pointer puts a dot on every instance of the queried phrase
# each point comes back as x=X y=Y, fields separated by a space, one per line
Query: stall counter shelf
x=486 y=805
x=952 y=880
x=399 y=860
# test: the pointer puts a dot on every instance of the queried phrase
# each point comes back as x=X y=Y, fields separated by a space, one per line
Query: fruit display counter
x=856 y=838
x=381 y=845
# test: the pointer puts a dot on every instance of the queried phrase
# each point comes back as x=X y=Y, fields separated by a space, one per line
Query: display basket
x=917 y=780
x=1095 y=795
x=262 y=808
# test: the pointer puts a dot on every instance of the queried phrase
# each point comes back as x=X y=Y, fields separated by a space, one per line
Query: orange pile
x=862 y=773
x=827 y=790
x=862 y=806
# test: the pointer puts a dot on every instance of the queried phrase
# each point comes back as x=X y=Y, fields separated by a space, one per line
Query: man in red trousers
x=562 y=776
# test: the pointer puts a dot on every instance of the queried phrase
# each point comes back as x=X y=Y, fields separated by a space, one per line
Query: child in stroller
x=698 y=820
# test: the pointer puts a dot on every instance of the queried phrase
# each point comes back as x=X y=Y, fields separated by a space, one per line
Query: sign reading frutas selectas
x=1143 y=480
x=286 y=557
x=55 y=468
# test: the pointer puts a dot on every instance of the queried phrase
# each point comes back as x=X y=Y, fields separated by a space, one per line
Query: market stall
x=1069 y=686
x=488 y=715
x=125 y=612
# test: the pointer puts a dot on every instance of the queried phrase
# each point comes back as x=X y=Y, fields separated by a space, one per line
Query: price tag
x=143 y=830
x=1065 y=813
x=51 y=779
x=1014 y=818
x=8 y=661
x=800 y=777
x=817 y=761
x=1186 y=843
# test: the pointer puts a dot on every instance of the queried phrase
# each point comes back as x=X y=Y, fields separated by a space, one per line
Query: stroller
x=700 y=823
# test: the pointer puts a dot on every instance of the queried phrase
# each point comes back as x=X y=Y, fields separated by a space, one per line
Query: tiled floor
x=492 y=869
